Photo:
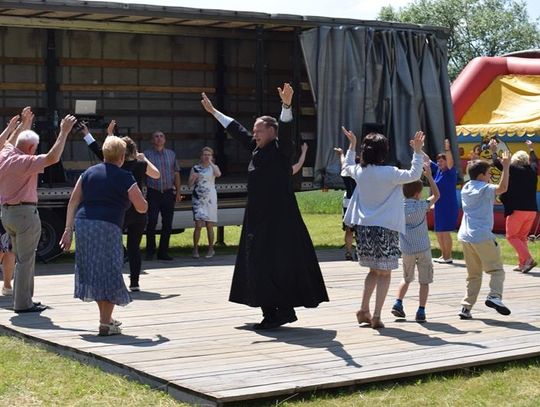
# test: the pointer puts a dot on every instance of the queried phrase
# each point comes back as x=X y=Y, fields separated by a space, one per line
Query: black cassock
x=276 y=263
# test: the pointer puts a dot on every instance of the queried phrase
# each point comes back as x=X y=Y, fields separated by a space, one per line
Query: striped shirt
x=416 y=238
x=165 y=161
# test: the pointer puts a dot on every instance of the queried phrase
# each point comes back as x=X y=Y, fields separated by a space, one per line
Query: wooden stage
x=182 y=335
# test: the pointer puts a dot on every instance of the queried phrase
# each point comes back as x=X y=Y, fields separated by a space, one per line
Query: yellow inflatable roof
x=509 y=106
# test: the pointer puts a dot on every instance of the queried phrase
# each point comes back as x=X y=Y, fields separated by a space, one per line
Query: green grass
x=30 y=375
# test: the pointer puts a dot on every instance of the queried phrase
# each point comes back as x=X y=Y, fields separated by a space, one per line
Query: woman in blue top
x=98 y=204
x=446 y=208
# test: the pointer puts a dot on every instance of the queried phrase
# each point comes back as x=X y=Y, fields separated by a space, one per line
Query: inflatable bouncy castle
x=498 y=98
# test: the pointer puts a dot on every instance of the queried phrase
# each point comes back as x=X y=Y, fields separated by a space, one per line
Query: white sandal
x=109 y=329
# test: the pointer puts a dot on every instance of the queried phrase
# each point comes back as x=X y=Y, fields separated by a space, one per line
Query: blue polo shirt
x=477 y=199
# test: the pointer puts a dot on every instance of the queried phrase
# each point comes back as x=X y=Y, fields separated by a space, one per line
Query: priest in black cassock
x=276 y=265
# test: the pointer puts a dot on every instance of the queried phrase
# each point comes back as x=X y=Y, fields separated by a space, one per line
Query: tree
x=477 y=27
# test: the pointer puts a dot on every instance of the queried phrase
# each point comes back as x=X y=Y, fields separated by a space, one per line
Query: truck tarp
x=394 y=77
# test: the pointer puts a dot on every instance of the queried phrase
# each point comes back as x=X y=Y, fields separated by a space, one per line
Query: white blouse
x=378 y=197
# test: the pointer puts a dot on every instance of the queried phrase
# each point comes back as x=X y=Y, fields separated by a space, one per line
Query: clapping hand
x=529 y=144
x=27 y=117
x=338 y=151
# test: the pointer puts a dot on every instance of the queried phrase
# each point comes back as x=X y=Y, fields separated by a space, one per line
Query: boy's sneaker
x=494 y=302
x=134 y=288
x=397 y=310
x=465 y=313
x=7 y=291
x=442 y=260
x=420 y=316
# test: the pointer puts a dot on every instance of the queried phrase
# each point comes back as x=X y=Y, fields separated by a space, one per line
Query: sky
x=357 y=9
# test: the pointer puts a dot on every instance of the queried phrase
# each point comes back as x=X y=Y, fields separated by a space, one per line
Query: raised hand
x=417 y=143
x=505 y=159
x=84 y=129
x=207 y=104
x=446 y=145
x=349 y=134
x=110 y=128
x=27 y=117
x=286 y=94
x=67 y=124
x=492 y=145
x=304 y=147
x=12 y=124
x=529 y=144
x=427 y=169
x=338 y=151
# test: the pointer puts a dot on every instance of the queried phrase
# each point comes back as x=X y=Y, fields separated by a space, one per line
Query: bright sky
x=357 y=9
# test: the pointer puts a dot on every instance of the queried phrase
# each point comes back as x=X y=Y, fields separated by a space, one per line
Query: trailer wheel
x=52 y=228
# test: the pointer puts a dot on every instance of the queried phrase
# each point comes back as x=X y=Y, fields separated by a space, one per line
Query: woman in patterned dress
x=204 y=198
x=377 y=213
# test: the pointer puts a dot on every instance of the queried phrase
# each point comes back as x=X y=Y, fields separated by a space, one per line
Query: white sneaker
x=7 y=291
x=494 y=302
x=109 y=329
x=442 y=260
x=210 y=253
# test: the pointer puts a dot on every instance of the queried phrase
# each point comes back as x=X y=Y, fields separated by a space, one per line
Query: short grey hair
x=520 y=158
x=27 y=137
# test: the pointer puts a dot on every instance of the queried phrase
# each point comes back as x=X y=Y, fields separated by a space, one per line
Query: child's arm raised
x=435 y=193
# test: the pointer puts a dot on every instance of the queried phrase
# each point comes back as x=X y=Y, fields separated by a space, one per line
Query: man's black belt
x=21 y=204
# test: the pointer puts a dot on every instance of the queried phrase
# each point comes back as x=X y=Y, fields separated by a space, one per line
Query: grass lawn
x=32 y=376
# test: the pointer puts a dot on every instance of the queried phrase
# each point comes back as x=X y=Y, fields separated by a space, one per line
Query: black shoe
x=164 y=257
x=134 y=288
x=33 y=308
x=268 y=323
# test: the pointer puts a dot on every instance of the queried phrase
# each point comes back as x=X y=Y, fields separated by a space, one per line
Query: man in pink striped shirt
x=19 y=169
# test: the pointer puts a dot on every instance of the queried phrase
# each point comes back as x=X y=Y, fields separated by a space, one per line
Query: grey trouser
x=23 y=225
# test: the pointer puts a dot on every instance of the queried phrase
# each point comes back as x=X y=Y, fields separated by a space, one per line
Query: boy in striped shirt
x=415 y=245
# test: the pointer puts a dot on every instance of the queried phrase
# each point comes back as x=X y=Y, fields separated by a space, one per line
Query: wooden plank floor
x=183 y=335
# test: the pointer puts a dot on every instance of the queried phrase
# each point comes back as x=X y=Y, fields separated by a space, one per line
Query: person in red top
x=19 y=169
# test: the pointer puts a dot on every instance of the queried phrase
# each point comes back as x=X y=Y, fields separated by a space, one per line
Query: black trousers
x=159 y=202
x=134 y=225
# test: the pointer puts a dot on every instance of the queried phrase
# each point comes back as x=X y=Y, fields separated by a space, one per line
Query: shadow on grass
x=306 y=337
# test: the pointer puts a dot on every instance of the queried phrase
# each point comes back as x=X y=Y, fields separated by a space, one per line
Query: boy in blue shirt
x=415 y=245
x=480 y=249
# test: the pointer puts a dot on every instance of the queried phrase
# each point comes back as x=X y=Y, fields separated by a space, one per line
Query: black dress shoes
x=277 y=321
x=37 y=307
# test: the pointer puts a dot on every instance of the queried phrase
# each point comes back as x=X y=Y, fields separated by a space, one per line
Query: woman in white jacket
x=377 y=213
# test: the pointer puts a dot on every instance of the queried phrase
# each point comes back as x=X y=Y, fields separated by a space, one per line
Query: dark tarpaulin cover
x=395 y=77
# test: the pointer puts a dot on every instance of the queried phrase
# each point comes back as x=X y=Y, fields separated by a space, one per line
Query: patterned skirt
x=5 y=240
x=99 y=260
x=377 y=247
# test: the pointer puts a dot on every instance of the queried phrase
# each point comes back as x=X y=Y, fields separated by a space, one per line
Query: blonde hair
x=114 y=149
x=209 y=149
x=520 y=158
x=131 y=148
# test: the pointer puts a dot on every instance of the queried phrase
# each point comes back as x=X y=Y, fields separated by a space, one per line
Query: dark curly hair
x=374 y=149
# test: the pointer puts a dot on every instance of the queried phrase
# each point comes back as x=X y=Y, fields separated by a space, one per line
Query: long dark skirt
x=99 y=260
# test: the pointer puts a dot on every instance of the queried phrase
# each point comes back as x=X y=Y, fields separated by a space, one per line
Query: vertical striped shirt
x=165 y=161
x=416 y=238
